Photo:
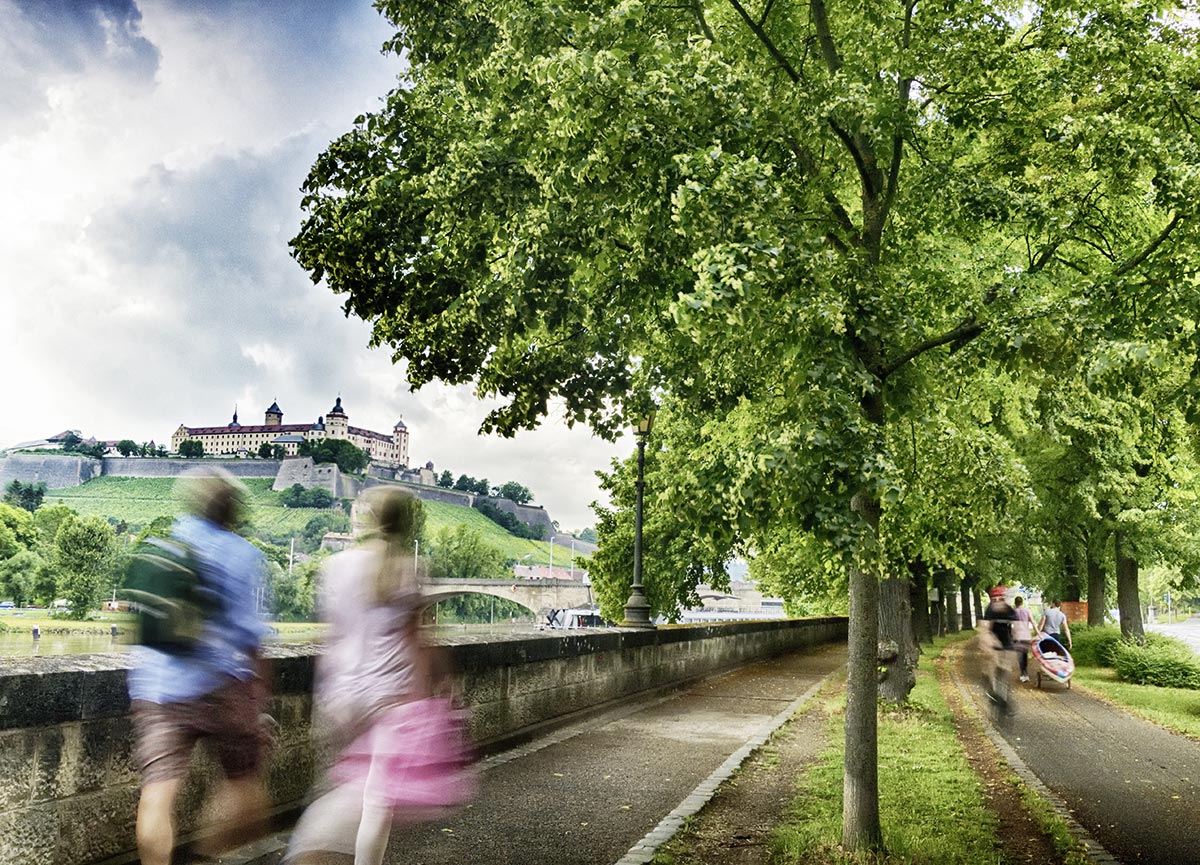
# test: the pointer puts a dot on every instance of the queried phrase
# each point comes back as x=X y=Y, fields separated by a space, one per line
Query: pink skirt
x=414 y=755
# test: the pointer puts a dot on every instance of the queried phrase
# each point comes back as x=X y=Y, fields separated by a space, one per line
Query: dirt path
x=1020 y=837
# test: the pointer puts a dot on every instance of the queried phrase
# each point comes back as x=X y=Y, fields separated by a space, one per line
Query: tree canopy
x=802 y=222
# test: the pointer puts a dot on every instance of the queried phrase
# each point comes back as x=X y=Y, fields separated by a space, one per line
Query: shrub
x=1162 y=662
x=1094 y=646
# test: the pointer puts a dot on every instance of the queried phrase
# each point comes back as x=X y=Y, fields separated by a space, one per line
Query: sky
x=151 y=155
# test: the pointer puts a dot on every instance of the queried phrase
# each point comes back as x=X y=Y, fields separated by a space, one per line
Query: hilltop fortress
x=234 y=439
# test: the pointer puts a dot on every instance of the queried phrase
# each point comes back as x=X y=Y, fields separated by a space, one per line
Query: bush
x=1094 y=647
x=1162 y=662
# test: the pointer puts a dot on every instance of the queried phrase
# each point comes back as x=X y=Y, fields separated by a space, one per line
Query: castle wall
x=326 y=476
x=533 y=515
x=56 y=471
x=139 y=467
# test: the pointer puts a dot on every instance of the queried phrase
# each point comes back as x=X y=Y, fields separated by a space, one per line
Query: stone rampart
x=56 y=471
x=326 y=476
x=65 y=730
x=532 y=515
x=155 y=467
x=431 y=494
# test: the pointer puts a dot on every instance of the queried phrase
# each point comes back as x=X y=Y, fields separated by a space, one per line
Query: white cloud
x=151 y=158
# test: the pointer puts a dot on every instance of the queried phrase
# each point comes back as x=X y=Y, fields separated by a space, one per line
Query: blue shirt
x=233 y=568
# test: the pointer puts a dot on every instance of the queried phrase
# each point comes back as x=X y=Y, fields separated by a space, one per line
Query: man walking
x=212 y=691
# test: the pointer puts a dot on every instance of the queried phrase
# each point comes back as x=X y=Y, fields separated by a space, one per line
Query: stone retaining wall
x=155 y=467
x=68 y=796
x=55 y=471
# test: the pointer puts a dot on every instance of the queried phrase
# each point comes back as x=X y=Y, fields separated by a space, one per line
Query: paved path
x=590 y=794
x=1134 y=786
x=1187 y=631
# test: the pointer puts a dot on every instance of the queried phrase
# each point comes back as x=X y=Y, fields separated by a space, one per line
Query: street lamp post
x=637 y=608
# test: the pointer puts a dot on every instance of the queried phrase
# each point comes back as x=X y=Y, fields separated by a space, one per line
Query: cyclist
x=999 y=617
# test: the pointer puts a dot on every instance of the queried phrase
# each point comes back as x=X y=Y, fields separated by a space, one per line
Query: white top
x=1054 y=620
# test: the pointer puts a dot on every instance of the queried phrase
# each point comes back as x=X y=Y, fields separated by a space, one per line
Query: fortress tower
x=337 y=425
x=274 y=416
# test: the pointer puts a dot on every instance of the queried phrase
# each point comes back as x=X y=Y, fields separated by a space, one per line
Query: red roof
x=263 y=428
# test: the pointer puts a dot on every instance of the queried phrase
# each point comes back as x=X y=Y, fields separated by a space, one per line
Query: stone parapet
x=56 y=471
x=65 y=733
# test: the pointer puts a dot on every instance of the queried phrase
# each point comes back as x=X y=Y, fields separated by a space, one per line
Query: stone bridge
x=539 y=596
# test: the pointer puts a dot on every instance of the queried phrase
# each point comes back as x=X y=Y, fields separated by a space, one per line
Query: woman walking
x=400 y=750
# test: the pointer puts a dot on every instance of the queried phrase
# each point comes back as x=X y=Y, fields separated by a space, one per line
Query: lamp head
x=645 y=424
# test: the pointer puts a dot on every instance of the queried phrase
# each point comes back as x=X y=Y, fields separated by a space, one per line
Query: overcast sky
x=150 y=160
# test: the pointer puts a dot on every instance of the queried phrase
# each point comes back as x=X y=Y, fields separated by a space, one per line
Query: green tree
x=460 y=552
x=86 y=554
x=47 y=519
x=26 y=496
x=264 y=450
x=465 y=483
x=191 y=449
x=278 y=452
x=316 y=528
x=127 y=447
x=515 y=492
x=446 y=480
x=789 y=216
x=588 y=535
x=21 y=576
x=71 y=441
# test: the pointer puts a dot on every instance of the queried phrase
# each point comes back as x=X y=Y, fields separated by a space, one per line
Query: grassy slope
x=137 y=501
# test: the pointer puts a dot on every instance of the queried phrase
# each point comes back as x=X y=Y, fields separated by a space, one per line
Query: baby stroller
x=1053 y=660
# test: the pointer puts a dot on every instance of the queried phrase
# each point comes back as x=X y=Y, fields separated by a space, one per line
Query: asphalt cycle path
x=1133 y=785
x=1187 y=631
x=609 y=789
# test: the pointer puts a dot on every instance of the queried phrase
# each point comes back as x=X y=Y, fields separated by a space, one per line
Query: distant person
x=211 y=692
x=400 y=754
x=1022 y=632
x=1054 y=623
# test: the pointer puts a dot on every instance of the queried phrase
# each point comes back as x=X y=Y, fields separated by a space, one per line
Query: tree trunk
x=953 y=620
x=861 y=829
x=1071 y=581
x=1128 y=601
x=940 y=606
x=1097 y=588
x=918 y=589
x=965 y=597
x=897 y=654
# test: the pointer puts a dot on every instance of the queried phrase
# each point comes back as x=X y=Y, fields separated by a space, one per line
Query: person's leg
x=238 y=814
x=373 y=832
x=156 y=822
x=239 y=738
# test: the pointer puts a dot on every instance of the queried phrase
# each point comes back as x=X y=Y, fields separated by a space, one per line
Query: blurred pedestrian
x=400 y=753
x=1022 y=633
x=213 y=691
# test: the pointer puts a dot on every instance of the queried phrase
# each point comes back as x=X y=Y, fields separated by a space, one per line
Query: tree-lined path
x=589 y=793
x=1133 y=785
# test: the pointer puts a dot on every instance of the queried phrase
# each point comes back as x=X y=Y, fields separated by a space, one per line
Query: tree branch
x=1150 y=247
x=961 y=335
x=766 y=40
x=698 y=9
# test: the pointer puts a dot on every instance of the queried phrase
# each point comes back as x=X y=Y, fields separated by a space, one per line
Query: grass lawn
x=931 y=803
x=1175 y=708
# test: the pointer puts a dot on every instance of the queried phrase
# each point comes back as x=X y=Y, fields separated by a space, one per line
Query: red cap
x=997 y=591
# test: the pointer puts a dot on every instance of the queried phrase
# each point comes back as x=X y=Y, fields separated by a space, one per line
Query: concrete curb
x=644 y=851
x=1093 y=849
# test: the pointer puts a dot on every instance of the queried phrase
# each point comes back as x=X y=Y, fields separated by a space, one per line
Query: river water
x=22 y=645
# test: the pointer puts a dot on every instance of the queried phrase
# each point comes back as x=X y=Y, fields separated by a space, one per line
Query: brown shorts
x=228 y=719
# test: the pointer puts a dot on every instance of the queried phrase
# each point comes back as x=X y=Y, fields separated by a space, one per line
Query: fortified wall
x=56 y=472
x=326 y=476
x=65 y=731
x=152 y=467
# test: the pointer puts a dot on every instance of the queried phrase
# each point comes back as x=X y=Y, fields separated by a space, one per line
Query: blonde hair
x=393 y=520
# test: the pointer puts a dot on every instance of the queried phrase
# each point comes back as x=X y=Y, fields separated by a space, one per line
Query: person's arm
x=1042 y=624
x=1067 y=632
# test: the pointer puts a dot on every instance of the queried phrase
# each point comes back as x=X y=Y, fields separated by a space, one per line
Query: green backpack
x=164 y=587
